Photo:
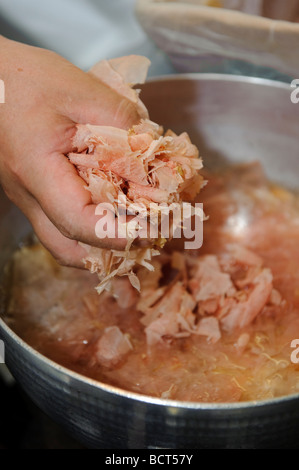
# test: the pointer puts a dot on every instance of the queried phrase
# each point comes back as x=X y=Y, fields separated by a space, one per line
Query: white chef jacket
x=83 y=31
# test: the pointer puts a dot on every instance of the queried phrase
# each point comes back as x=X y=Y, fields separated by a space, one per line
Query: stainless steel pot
x=232 y=119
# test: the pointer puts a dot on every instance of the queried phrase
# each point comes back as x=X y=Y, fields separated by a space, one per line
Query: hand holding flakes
x=138 y=172
x=46 y=97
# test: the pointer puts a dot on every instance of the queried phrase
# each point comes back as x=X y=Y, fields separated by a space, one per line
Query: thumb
x=98 y=104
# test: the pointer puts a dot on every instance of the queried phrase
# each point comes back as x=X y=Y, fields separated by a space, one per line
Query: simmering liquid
x=58 y=312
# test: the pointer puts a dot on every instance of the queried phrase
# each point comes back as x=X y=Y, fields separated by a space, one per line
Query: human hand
x=46 y=96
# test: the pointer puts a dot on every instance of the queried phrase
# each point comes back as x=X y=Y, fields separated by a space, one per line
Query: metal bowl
x=232 y=119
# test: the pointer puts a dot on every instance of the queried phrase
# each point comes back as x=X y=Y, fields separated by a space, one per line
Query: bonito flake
x=138 y=172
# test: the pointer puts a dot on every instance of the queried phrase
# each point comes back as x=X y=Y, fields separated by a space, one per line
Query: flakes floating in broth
x=214 y=325
x=112 y=347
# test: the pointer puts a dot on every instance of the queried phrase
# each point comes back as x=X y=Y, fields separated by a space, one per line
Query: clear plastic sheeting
x=275 y=9
x=217 y=35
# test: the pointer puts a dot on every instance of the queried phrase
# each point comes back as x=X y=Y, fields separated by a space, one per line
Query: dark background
x=24 y=426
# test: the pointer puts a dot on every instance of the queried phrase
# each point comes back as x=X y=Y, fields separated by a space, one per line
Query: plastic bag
x=193 y=32
x=286 y=10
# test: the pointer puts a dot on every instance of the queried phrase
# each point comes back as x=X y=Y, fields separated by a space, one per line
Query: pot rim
x=110 y=389
x=213 y=77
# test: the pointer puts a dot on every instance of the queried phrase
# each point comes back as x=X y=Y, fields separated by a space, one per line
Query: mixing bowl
x=231 y=119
